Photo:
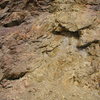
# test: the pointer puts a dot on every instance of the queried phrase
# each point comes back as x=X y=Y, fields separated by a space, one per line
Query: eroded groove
x=13 y=76
x=14 y=23
x=16 y=77
x=4 y=4
x=67 y=33
x=87 y=44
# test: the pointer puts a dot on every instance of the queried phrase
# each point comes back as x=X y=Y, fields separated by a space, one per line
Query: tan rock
x=76 y=20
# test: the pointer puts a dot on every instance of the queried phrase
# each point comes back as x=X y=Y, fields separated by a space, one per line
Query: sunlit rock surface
x=50 y=50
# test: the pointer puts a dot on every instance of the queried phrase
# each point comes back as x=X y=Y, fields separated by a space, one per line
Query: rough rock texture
x=49 y=49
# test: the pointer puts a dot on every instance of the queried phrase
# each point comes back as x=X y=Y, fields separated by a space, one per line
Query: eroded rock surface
x=49 y=50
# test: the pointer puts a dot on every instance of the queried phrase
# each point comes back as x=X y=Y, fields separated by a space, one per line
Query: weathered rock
x=53 y=55
x=78 y=19
x=92 y=2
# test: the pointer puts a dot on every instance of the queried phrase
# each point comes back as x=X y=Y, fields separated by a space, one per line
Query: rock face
x=49 y=50
x=74 y=20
